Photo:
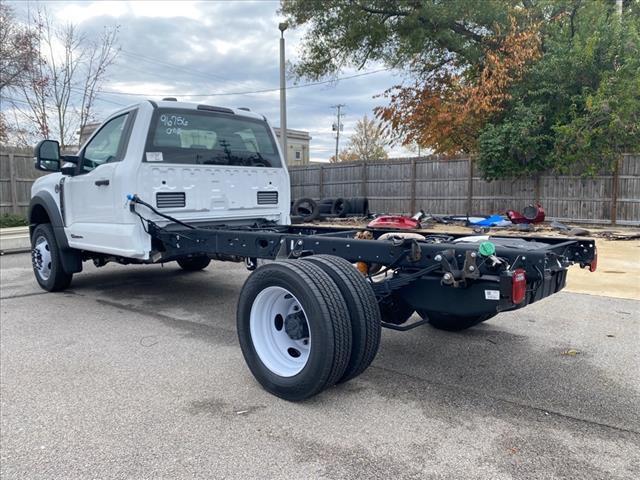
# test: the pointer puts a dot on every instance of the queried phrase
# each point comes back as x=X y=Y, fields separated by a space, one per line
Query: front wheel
x=45 y=258
x=193 y=264
x=452 y=323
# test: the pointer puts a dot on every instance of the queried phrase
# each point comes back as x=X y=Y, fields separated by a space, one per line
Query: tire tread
x=365 y=321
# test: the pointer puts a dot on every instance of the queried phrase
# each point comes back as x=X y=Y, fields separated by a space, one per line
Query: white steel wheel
x=294 y=329
x=46 y=259
x=280 y=331
x=41 y=258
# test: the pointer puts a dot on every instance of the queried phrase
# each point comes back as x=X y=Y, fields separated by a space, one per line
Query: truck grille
x=267 y=198
x=170 y=200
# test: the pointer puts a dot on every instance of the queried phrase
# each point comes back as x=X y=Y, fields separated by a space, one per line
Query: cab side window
x=105 y=147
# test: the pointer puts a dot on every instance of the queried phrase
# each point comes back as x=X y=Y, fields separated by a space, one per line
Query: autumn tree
x=578 y=108
x=448 y=111
x=344 y=156
x=489 y=77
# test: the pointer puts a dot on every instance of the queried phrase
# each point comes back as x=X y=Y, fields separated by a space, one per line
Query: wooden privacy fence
x=446 y=187
x=16 y=177
x=408 y=184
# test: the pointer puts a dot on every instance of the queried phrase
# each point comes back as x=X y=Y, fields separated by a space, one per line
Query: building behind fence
x=406 y=185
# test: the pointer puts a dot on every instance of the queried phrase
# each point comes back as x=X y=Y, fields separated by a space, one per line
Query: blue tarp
x=492 y=221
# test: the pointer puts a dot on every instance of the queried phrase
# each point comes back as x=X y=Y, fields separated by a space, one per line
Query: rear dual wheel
x=300 y=332
x=363 y=309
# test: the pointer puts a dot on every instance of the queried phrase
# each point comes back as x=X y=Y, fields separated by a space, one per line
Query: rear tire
x=281 y=305
x=363 y=311
x=193 y=264
x=452 y=323
x=45 y=258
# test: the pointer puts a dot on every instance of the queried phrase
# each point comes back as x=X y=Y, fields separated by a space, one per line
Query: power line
x=98 y=96
x=73 y=89
x=266 y=90
x=15 y=100
x=167 y=64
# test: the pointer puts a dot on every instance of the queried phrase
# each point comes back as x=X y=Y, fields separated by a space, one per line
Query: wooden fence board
x=436 y=185
x=441 y=186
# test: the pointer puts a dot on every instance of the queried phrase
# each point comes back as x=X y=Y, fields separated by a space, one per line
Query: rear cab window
x=210 y=138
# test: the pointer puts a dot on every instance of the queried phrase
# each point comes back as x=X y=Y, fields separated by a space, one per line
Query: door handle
x=101 y=183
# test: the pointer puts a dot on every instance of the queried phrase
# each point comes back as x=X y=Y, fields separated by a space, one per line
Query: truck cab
x=200 y=164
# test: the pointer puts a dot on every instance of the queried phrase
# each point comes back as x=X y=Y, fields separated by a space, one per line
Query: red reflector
x=594 y=263
x=518 y=286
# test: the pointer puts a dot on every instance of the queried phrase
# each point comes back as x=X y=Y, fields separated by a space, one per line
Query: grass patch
x=10 y=220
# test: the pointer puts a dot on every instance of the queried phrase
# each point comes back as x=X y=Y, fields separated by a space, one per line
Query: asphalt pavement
x=135 y=372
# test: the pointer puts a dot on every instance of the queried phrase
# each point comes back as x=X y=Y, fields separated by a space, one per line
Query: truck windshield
x=207 y=138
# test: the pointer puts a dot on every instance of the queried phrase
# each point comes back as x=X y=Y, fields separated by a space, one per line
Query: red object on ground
x=395 y=222
x=531 y=214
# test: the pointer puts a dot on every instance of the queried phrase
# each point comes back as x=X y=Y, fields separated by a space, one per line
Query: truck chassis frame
x=427 y=275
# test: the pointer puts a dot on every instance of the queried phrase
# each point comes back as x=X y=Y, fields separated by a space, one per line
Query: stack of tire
x=308 y=210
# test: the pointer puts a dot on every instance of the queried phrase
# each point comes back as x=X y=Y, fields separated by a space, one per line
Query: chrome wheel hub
x=41 y=258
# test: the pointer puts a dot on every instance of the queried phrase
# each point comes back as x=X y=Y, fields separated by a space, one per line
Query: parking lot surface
x=136 y=372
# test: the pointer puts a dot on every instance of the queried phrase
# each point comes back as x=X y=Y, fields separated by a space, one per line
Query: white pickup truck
x=168 y=181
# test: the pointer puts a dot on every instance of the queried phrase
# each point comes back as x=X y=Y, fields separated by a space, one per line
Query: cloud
x=183 y=49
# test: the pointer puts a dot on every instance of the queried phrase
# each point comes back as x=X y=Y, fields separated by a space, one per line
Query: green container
x=487 y=249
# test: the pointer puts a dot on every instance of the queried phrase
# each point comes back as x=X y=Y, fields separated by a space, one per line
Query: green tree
x=578 y=108
x=527 y=85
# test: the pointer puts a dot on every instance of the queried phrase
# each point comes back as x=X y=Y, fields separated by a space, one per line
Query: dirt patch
x=618 y=273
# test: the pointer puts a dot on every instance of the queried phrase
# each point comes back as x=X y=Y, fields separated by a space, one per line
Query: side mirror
x=69 y=168
x=47 y=156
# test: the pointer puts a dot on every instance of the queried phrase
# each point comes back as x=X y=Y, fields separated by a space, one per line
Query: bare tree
x=66 y=76
x=345 y=155
x=100 y=59
x=18 y=50
x=368 y=141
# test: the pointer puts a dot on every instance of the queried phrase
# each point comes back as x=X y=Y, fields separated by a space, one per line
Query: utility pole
x=283 y=96
x=337 y=127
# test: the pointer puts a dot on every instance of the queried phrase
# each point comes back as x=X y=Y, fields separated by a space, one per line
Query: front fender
x=43 y=200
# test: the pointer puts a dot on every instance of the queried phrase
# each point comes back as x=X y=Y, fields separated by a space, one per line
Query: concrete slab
x=136 y=373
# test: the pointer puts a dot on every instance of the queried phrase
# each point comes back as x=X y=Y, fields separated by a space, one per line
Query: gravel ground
x=135 y=372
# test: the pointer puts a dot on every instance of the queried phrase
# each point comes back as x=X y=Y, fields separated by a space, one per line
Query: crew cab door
x=92 y=203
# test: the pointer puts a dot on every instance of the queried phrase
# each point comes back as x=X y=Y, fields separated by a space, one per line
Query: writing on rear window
x=205 y=138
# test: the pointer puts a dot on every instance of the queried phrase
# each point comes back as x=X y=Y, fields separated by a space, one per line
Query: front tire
x=193 y=264
x=294 y=329
x=45 y=259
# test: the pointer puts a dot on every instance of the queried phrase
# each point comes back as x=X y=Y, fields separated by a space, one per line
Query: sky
x=219 y=50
